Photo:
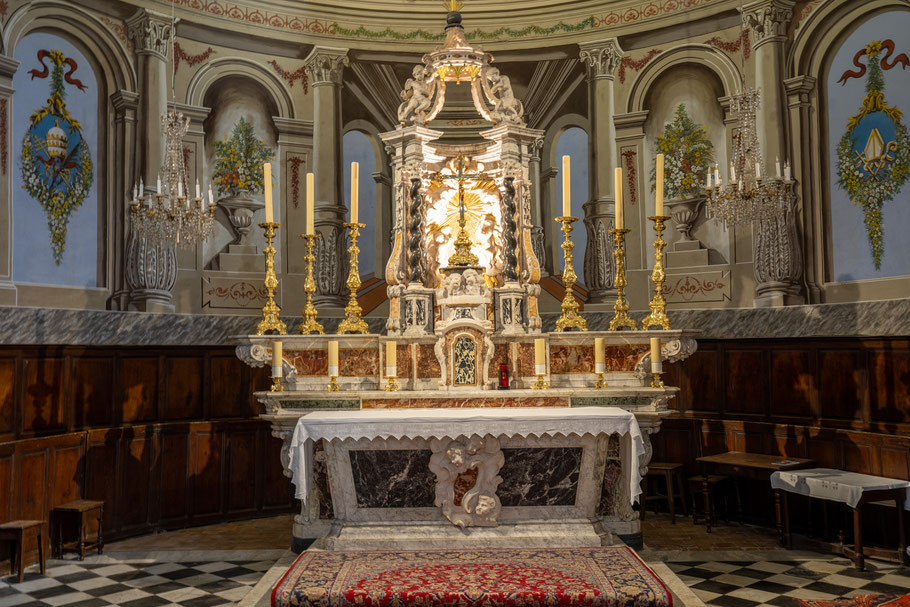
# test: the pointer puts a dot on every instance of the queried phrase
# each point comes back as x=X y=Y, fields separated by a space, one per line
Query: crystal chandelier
x=171 y=216
x=748 y=195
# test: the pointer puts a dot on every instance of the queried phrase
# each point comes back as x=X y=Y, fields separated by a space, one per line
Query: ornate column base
x=155 y=301
x=510 y=306
x=417 y=311
x=776 y=294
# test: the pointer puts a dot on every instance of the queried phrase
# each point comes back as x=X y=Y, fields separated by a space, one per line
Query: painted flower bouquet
x=688 y=156
x=239 y=159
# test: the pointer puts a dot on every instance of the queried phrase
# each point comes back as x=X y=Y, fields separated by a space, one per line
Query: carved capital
x=324 y=65
x=535 y=148
x=149 y=32
x=601 y=58
x=768 y=20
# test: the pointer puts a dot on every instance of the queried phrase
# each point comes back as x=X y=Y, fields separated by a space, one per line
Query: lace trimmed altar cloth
x=835 y=485
x=452 y=423
x=611 y=576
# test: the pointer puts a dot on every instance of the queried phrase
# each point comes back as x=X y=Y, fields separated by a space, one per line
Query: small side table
x=17 y=532
x=79 y=511
x=850 y=488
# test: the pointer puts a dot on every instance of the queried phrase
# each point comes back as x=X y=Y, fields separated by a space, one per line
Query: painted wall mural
x=55 y=202
x=870 y=150
x=689 y=155
x=239 y=160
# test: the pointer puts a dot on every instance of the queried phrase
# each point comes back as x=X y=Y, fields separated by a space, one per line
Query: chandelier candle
x=599 y=364
x=333 y=366
x=540 y=359
x=267 y=188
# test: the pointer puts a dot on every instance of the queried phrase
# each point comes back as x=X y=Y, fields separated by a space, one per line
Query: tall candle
x=716 y=174
x=708 y=180
x=659 y=193
x=267 y=184
x=355 y=194
x=617 y=195
x=787 y=173
x=198 y=190
x=566 y=188
x=211 y=196
x=732 y=173
x=333 y=359
x=656 y=359
x=277 y=351
x=141 y=187
x=391 y=354
x=310 y=203
x=159 y=184
x=540 y=356
x=599 y=355
x=777 y=166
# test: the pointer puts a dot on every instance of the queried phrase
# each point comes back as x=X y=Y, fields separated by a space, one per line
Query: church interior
x=454 y=303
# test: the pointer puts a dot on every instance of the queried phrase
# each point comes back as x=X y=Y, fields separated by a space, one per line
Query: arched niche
x=232 y=98
x=698 y=88
x=214 y=71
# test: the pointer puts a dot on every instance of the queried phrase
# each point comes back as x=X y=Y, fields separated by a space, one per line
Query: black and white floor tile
x=779 y=582
x=134 y=583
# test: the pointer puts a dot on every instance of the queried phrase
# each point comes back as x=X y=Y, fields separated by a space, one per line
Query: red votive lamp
x=503 y=376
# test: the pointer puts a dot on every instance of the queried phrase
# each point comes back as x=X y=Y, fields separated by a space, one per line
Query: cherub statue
x=473 y=283
x=417 y=96
x=506 y=108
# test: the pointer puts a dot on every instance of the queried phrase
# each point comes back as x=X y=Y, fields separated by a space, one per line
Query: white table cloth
x=835 y=485
x=452 y=423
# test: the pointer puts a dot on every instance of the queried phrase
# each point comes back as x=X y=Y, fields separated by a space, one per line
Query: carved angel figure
x=417 y=96
x=506 y=108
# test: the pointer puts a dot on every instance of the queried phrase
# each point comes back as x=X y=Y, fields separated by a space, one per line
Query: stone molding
x=149 y=32
x=768 y=19
x=479 y=506
x=601 y=58
x=325 y=65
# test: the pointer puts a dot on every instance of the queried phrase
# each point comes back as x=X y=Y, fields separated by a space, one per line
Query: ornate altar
x=463 y=289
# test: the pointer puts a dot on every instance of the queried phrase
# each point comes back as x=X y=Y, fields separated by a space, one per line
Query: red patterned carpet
x=599 y=577
x=865 y=600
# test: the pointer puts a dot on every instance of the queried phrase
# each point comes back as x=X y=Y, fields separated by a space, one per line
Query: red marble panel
x=625 y=357
x=571 y=359
x=526 y=360
x=500 y=356
x=453 y=402
x=403 y=362
x=308 y=362
x=427 y=363
x=358 y=362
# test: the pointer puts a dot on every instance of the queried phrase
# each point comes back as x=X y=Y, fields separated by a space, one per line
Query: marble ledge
x=47 y=326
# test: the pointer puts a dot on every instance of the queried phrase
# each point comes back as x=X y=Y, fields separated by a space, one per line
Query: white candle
x=141 y=187
x=659 y=193
x=267 y=188
x=716 y=174
x=757 y=170
x=777 y=166
x=566 y=188
x=159 y=183
x=787 y=171
x=211 y=196
x=617 y=188
x=355 y=194
x=310 y=202
x=732 y=173
x=708 y=178
x=179 y=189
x=135 y=192
x=198 y=190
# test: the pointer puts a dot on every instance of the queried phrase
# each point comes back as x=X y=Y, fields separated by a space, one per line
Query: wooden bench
x=17 y=532
x=79 y=511
x=671 y=473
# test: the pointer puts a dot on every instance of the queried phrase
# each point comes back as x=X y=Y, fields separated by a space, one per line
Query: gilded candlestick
x=270 y=323
x=309 y=324
x=600 y=383
x=391 y=386
x=656 y=381
x=333 y=385
x=541 y=384
x=621 y=316
x=276 y=384
x=658 y=316
x=570 y=318
x=352 y=322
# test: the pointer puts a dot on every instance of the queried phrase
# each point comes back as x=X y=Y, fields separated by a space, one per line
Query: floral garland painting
x=239 y=160
x=56 y=162
x=688 y=155
x=873 y=156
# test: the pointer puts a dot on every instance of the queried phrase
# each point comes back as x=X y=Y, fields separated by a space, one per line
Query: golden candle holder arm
x=353 y=322
x=570 y=318
x=309 y=324
x=621 y=316
x=270 y=323
x=658 y=306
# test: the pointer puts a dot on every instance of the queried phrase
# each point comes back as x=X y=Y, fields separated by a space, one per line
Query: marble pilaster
x=8 y=67
x=125 y=105
x=601 y=58
x=324 y=67
x=777 y=256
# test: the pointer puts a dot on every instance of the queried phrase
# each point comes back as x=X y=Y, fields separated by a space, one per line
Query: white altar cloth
x=452 y=423
x=835 y=485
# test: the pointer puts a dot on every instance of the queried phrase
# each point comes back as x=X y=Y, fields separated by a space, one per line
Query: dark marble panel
x=612 y=488
x=397 y=478
x=321 y=480
x=540 y=477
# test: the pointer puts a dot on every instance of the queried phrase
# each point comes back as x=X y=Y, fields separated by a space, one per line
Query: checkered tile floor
x=134 y=584
x=778 y=583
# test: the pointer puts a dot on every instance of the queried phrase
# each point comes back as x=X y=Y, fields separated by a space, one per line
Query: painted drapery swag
x=689 y=156
x=56 y=162
x=873 y=156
